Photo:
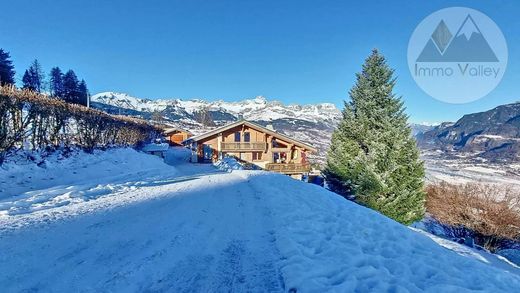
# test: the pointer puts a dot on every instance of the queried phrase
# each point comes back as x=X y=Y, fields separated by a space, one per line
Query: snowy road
x=193 y=228
x=227 y=245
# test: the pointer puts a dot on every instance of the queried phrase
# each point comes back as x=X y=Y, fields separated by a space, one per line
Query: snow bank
x=476 y=253
x=330 y=244
x=433 y=229
x=228 y=164
x=156 y=147
x=27 y=186
x=512 y=255
x=243 y=231
x=177 y=155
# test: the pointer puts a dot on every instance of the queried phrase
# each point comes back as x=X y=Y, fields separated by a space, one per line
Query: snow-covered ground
x=228 y=164
x=476 y=253
x=183 y=227
x=26 y=187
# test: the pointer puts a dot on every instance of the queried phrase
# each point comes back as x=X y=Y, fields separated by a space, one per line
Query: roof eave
x=252 y=125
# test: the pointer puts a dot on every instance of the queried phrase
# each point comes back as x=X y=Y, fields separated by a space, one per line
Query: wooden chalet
x=176 y=136
x=253 y=143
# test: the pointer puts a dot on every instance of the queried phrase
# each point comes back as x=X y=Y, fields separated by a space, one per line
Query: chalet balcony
x=288 y=168
x=243 y=146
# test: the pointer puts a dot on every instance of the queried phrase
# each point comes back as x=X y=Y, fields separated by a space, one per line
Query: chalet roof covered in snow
x=175 y=129
x=156 y=147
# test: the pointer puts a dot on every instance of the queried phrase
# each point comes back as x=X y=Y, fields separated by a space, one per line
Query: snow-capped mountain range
x=256 y=109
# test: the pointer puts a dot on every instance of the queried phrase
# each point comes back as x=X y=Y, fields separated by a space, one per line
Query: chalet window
x=247 y=137
x=280 y=158
x=257 y=156
x=237 y=136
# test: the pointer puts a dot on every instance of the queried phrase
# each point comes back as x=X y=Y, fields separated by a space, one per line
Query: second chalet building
x=176 y=136
x=255 y=144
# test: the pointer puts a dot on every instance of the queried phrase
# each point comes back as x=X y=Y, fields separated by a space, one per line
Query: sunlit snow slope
x=194 y=228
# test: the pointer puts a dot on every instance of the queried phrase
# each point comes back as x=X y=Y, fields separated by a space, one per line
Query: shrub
x=491 y=212
x=44 y=122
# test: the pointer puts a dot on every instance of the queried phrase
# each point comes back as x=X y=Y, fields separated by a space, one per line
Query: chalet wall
x=255 y=135
x=177 y=137
x=285 y=151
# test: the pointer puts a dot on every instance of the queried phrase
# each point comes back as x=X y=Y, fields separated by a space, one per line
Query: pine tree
x=83 y=93
x=373 y=157
x=6 y=68
x=34 y=78
x=56 y=82
x=71 y=87
x=27 y=80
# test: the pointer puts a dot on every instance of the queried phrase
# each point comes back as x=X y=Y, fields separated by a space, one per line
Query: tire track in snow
x=211 y=233
x=248 y=257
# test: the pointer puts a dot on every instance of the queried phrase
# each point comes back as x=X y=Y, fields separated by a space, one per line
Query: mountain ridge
x=249 y=107
x=493 y=134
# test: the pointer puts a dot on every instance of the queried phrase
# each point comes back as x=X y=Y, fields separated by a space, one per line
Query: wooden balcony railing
x=288 y=168
x=243 y=146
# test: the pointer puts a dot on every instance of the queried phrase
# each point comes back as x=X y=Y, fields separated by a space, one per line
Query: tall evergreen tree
x=83 y=93
x=34 y=78
x=6 y=68
x=56 y=82
x=373 y=157
x=71 y=87
x=27 y=80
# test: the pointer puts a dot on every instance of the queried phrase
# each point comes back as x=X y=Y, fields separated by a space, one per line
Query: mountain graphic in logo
x=467 y=45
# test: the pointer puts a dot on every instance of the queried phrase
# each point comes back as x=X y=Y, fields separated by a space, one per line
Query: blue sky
x=292 y=51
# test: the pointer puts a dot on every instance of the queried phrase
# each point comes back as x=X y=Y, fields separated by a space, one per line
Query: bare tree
x=492 y=212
